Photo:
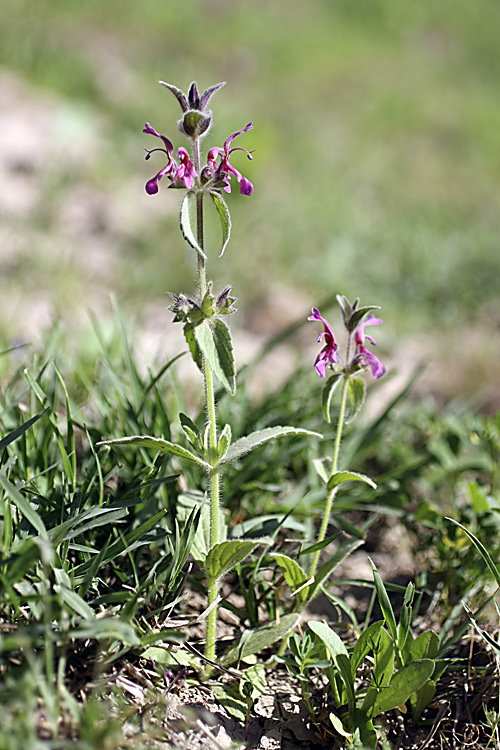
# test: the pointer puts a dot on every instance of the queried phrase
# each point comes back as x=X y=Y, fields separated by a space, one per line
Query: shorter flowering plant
x=358 y=358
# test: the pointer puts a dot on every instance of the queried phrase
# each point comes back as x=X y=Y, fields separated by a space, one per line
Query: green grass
x=93 y=541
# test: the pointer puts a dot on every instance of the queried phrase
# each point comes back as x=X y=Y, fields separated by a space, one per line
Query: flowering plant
x=207 y=333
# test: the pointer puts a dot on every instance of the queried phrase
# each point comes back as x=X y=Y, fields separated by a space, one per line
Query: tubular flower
x=328 y=355
x=222 y=172
x=181 y=175
x=365 y=356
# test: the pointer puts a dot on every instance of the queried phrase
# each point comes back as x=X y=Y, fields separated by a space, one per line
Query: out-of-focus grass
x=377 y=132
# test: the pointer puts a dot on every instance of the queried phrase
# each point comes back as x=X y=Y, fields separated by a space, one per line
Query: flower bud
x=195 y=123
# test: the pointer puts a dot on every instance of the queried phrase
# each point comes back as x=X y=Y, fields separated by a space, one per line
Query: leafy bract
x=224 y=218
x=357 y=392
x=224 y=556
x=327 y=393
x=214 y=339
x=185 y=222
x=246 y=444
x=158 y=444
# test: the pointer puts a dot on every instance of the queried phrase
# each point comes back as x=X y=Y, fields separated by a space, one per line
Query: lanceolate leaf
x=327 y=393
x=357 y=392
x=403 y=684
x=327 y=568
x=185 y=221
x=214 y=339
x=193 y=345
x=224 y=556
x=18 y=431
x=295 y=576
x=260 y=639
x=339 y=477
x=248 y=443
x=158 y=444
x=224 y=217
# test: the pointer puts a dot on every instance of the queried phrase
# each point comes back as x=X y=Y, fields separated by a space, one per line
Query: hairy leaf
x=224 y=556
x=214 y=339
x=158 y=444
x=248 y=443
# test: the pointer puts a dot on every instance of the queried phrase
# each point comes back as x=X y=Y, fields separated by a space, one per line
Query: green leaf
x=295 y=576
x=185 y=222
x=18 y=431
x=339 y=655
x=327 y=568
x=327 y=393
x=358 y=315
x=24 y=506
x=248 y=443
x=384 y=656
x=224 y=556
x=319 y=545
x=404 y=683
x=214 y=339
x=224 y=442
x=107 y=627
x=196 y=355
x=478 y=500
x=158 y=444
x=365 y=643
x=385 y=604
x=330 y=638
x=425 y=646
x=357 y=391
x=231 y=700
x=224 y=218
x=75 y=602
x=422 y=698
x=260 y=639
x=339 y=477
x=320 y=468
x=482 y=550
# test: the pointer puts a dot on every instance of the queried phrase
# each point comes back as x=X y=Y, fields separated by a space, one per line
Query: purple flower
x=365 y=355
x=185 y=173
x=224 y=170
x=328 y=355
x=181 y=175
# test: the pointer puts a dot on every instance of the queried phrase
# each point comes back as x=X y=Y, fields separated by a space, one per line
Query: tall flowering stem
x=214 y=476
x=206 y=333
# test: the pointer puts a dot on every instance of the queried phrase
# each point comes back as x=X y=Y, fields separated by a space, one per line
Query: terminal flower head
x=328 y=355
x=222 y=172
x=364 y=355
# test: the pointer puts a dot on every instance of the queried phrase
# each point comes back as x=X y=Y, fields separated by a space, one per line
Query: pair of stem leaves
x=225 y=555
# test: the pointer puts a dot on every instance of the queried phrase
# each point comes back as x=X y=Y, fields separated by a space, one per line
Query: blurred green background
x=376 y=172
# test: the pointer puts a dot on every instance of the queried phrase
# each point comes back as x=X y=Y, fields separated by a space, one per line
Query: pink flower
x=328 y=355
x=224 y=170
x=365 y=355
x=181 y=175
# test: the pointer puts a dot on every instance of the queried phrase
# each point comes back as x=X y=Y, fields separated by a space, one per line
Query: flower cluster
x=214 y=175
x=363 y=357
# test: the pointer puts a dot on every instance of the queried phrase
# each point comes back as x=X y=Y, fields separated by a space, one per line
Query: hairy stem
x=335 y=460
x=214 y=478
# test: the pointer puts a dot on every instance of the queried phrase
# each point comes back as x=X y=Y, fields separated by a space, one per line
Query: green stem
x=335 y=460
x=214 y=478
